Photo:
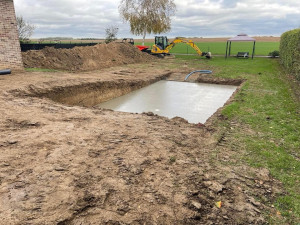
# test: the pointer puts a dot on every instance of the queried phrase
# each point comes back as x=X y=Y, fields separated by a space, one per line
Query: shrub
x=274 y=54
x=111 y=34
x=290 y=51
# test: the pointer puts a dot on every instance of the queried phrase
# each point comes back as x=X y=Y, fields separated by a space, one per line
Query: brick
x=10 y=50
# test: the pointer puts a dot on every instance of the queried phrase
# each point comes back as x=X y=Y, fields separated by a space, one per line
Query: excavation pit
x=195 y=102
x=101 y=166
x=163 y=94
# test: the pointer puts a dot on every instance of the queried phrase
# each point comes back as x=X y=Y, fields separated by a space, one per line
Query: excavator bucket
x=207 y=54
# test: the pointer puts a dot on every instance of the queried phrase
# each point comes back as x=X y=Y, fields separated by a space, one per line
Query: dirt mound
x=85 y=58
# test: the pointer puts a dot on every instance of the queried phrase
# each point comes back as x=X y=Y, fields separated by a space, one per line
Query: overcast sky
x=194 y=18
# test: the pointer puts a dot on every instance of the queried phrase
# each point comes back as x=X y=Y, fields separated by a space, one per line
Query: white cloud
x=89 y=18
x=227 y=17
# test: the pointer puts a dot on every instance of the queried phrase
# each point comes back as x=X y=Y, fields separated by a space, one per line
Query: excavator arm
x=183 y=40
x=158 y=50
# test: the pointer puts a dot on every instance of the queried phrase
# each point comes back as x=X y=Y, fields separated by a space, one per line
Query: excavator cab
x=162 y=47
x=161 y=42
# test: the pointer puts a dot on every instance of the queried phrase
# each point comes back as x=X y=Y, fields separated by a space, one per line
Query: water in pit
x=195 y=102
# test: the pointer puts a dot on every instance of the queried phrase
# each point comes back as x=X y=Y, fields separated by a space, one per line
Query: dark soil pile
x=85 y=58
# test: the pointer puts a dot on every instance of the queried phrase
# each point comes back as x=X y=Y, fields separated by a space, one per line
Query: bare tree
x=147 y=16
x=111 y=34
x=25 y=29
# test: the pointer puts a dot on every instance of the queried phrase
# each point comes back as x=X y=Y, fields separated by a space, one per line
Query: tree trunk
x=144 y=36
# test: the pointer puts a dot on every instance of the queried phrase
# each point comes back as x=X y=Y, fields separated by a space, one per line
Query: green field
x=219 y=48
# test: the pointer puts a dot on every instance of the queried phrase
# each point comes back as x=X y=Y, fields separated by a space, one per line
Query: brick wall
x=10 y=52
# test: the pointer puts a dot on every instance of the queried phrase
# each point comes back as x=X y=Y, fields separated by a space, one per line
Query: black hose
x=4 y=72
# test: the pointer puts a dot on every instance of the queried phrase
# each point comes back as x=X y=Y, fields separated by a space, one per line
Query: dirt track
x=63 y=164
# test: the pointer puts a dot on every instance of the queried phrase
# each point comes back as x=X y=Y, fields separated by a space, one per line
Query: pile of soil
x=85 y=58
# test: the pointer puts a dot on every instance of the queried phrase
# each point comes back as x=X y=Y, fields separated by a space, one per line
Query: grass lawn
x=219 y=48
x=40 y=70
x=268 y=121
x=266 y=105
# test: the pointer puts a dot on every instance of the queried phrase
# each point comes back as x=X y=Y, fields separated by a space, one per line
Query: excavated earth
x=85 y=58
x=64 y=161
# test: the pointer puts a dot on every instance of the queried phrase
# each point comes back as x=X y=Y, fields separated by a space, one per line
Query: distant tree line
x=89 y=38
x=56 y=38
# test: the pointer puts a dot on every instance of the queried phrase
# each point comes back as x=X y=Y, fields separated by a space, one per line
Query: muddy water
x=195 y=102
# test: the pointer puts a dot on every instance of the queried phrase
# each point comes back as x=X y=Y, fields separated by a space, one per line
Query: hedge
x=290 y=51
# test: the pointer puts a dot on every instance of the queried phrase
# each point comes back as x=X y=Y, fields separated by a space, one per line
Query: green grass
x=269 y=123
x=266 y=105
x=40 y=70
x=172 y=159
x=219 y=48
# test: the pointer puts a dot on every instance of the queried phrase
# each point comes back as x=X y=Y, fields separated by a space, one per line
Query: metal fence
x=27 y=47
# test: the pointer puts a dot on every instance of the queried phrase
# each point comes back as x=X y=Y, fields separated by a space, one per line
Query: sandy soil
x=64 y=162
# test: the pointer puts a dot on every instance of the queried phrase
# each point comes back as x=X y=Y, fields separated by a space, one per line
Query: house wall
x=10 y=51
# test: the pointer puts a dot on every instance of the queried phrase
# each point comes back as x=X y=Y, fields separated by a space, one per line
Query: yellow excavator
x=162 y=47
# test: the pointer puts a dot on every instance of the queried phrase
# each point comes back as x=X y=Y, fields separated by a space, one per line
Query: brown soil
x=63 y=164
x=85 y=58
